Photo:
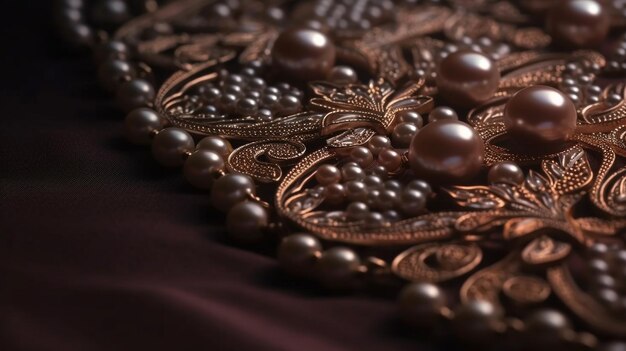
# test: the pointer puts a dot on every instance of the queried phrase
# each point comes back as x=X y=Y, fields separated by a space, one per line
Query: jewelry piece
x=476 y=147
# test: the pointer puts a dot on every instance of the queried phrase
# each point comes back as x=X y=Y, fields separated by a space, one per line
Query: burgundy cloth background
x=101 y=249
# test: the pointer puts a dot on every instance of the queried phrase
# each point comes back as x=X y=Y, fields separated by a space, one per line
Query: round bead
x=170 y=146
x=578 y=23
x=412 y=202
x=140 y=124
x=421 y=303
x=216 y=144
x=613 y=346
x=110 y=13
x=421 y=186
x=297 y=253
x=467 y=78
x=362 y=156
x=342 y=75
x=246 y=222
x=378 y=143
x=442 y=113
x=327 y=174
x=476 y=321
x=390 y=159
x=410 y=117
x=506 y=172
x=135 y=93
x=352 y=172
x=303 y=54
x=338 y=268
x=540 y=116
x=335 y=194
x=403 y=134
x=112 y=73
x=110 y=50
x=231 y=189
x=374 y=220
x=545 y=327
x=202 y=168
x=357 y=211
x=457 y=158
x=78 y=35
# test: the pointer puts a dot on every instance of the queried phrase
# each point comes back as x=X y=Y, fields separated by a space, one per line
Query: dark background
x=101 y=249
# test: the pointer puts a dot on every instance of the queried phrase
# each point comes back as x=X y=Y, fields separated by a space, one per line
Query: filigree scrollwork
x=247 y=158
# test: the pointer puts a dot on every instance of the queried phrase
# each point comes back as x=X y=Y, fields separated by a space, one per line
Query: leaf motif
x=477 y=197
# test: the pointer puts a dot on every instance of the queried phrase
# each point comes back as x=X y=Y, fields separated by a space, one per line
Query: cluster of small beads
x=577 y=82
x=354 y=15
x=606 y=264
x=245 y=95
x=616 y=62
x=423 y=306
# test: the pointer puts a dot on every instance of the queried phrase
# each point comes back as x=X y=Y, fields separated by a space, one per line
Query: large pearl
x=578 y=23
x=140 y=124
x=338 y=268
x=303 y=54
x=539 y=116
x=446 y=151
x=202 y=168
x=134 y=94
x=297 y=253
x=421 y=304
x=466 y=79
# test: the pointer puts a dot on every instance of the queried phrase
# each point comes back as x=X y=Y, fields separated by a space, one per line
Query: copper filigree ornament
x=330 y=156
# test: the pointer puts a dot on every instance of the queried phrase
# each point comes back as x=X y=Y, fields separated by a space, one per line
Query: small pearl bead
x=356 y=211
x=390 y=159
x=412 y=202
x=134 y=94
x=393 y=185
x=506 y=172
x=327 y=174
x=476 y=321
x=442 y=112
x=170 y=146
x=216 y=144
x=356 y=190
x=140 y=124
x=202 y=168
x=378 y=143
x=421 y=186
x=338 y=268
x=335 y=194
x=342 y=75
x=402 y=135
x=297 y=253
x=411 y=117
x=230 y=190
x=246 y=221
x=374 y=220
x=352 y=172
x=113 y=73
x=387 y=199
x=373 y=182
x=421 y=304
x=378 y=171
x=362 y=156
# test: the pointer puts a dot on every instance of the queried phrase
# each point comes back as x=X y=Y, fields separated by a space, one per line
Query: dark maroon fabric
x=101 y=249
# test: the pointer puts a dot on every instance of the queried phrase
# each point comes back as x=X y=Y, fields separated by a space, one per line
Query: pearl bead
x=379 y=171
x=540 y=116
x=231 y=189
x=506 y=172
x=578 y=23
x=170 y=146
x=111 y=50
x=303 y=54
x=352 y=172
x=338 y=268
x=420 y=186
x=362 y=156
x=387 y=199
x=216 y=144
x=378 y=143
x=135 y=93
x=327 y=174
x=457 y=158
x=78 y=35
x=544 y=328
x=390 y=159
x=441 y=113
x=613 y=346
x=476 y=321
x=466 y=78
x=403 y=134
x=374 y=220
x=356 y=190
x=412 y=202
x=112 y=73
x=342 y=75
x=421 y=303
x=202 y=168
x=411 y=117
x=297 y=253
x=373 y=182
x=357 y=211
x=393 y=185
x=335 y=194
x=246 y=222
x=140 y=124
x=110 y=13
